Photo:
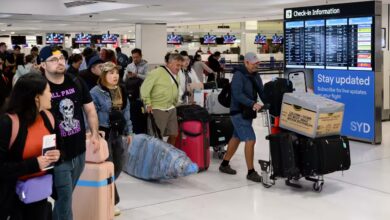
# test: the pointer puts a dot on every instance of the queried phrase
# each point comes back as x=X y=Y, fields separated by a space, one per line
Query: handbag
x=247 y=112
x=117 y=121
x=34 y=189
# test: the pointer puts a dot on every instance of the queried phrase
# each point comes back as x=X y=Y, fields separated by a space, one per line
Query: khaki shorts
x=166 y=121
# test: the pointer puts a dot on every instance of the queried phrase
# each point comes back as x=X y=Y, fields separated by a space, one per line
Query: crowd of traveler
x=48 y=93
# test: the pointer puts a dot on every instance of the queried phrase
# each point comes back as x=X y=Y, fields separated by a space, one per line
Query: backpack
x=48 y=120
x=273 y=94
x=225 y=97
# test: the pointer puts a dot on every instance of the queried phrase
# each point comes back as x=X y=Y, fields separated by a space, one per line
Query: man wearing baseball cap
x=70 y=96
x=245 y=86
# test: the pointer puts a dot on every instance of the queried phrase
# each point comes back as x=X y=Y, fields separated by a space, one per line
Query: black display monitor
x=18 y=39
x=209 y=39
x=109 y=38
x=174 y=39
x=276 y=39
x=54 y=38
x=260 y=39
x=39 y=40
x=229 y=39
x=83 y=38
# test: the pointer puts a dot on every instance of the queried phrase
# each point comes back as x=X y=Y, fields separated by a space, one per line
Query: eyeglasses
x=56 y=59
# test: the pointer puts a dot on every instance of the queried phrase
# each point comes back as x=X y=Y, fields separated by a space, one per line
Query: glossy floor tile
x=363 y=192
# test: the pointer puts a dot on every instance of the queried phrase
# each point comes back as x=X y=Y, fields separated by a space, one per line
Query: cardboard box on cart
x=311 y=115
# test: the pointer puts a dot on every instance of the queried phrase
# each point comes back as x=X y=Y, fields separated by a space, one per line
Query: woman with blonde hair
x=113 y=109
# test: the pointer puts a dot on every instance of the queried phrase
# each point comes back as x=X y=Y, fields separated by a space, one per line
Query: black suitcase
x=273 y=94
x=320 y=156
x=221 y=130
x=284 y=162
x=138 y=117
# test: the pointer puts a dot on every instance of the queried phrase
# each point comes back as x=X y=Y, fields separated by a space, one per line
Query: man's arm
x=93 y=123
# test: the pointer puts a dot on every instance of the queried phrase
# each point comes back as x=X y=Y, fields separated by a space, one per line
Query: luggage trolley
x=267 y=174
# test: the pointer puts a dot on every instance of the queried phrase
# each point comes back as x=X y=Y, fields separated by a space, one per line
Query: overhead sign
x=347 y=10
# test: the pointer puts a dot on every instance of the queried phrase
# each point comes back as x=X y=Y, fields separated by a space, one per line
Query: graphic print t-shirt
x=67 y=101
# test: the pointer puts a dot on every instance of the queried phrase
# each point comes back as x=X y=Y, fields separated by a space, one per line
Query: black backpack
x=225 y=96
x=133 y=86
x=273 y=94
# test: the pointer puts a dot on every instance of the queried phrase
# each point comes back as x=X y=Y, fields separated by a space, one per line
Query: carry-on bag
x=323 y=155
x=93 y=197
x=193 y=136
x=212 y=104
x=282 y=151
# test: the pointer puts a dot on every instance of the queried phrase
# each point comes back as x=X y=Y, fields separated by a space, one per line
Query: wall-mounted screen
x=174 y=39
x=18 y=39
x=229 y=39
x=83 y=38
x=54 y=38
x=209 y=39
x=276 y=39
x=109 y=38
x=334 y=43
x=260 y=39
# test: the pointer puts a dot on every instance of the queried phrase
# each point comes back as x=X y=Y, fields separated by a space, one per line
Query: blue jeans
x=66 y=176
x=243 y=129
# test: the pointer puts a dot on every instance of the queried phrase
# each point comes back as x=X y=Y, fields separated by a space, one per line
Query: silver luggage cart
x=267 y=174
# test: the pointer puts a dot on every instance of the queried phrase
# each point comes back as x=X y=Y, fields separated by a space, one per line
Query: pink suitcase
x=93 y=197
x=194 y=140
x=99 y=156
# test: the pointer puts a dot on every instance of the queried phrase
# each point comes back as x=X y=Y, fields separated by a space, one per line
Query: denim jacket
x=103 y=103
x=242 y=89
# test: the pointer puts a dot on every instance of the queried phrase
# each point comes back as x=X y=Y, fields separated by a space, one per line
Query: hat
x=94 y=60
x=251 y=58
x=47 y=52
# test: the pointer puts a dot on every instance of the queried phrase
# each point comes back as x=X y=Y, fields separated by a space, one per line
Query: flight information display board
x=294 y=41
x=315 y=44
x=360 y=47
x=336 y=41
x=342 y=43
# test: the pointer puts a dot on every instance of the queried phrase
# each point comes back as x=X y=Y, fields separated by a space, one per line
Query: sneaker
x=227 y=169
x=117 y=211
x=254 y=176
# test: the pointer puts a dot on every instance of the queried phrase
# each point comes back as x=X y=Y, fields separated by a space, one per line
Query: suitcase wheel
x=317 y=186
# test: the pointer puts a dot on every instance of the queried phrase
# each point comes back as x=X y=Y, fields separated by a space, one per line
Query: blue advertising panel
x=356 y=90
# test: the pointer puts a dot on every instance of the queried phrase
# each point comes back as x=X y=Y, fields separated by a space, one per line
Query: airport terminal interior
x=359 y=193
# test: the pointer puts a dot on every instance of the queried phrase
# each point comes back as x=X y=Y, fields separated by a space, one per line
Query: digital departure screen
x=360 y=47
x=315 y=44
x=336 y=41
x=342 y=43
x=294 y=44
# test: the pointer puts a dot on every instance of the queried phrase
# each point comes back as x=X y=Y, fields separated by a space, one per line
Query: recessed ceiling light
x=2 y=30
x=12 y=32
x=130 y=31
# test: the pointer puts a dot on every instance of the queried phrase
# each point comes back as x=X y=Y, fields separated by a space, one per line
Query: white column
x=152 y=40
x=248 y=33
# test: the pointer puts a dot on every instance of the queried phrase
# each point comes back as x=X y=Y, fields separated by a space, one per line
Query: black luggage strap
x=169 y=73
x=155 y=129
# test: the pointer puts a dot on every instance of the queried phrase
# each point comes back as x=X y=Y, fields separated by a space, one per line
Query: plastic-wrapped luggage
x=150 y=158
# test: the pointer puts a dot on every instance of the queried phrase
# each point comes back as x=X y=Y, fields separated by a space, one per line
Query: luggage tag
x=49 y=143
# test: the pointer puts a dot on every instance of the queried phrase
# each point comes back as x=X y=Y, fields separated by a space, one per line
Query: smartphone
x=298 y=80
x=49 y=143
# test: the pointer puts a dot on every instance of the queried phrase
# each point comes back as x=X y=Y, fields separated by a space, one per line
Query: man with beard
x=70 y=96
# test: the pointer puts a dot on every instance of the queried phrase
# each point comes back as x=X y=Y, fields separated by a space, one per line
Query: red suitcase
x=194 y=140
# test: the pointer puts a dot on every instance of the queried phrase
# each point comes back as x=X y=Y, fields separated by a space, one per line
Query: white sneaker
x=117 y=211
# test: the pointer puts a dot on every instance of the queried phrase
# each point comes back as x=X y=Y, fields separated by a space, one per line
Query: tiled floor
x=360 y=193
